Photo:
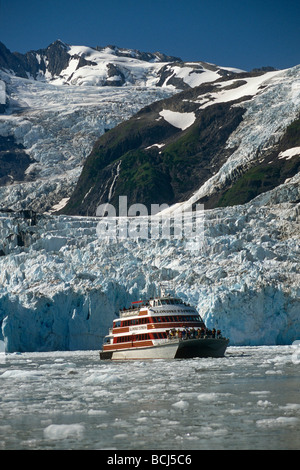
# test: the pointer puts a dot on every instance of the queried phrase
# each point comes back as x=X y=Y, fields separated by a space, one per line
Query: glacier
x=58 y=126
x=61 y=285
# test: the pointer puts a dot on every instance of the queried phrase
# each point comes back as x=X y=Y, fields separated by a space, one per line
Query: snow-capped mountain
x=62 y=63
x=58 y=101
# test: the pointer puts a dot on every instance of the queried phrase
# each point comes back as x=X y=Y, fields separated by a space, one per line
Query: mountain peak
x=60 y=44
x=137 y=54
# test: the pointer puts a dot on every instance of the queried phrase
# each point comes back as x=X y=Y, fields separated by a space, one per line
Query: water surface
x=71 y=400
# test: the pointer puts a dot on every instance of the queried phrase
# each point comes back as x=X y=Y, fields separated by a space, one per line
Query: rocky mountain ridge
x=61 y=63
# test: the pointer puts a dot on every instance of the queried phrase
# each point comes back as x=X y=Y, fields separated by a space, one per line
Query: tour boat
x=161 y=328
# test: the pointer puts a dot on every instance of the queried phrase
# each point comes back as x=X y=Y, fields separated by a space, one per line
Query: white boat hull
x=178 y=349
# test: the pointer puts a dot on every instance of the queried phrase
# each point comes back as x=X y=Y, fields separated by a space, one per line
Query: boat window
x=123 y=339
x=142 y=337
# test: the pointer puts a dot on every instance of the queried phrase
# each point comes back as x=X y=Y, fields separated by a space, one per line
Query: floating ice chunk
x=20 y=374
x=121 y=436
x=273 y=372
x=97 y=378
x=181 y=405
x=280 y=421
x=97 y=412
x=63 y=431
x=291 y=407
x=208 y=396
x=264 y=403
x=64 y=365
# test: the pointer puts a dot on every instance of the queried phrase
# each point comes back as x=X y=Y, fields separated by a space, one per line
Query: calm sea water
x=70 y=400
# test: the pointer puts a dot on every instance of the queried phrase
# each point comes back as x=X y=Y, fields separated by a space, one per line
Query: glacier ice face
x=61 y=286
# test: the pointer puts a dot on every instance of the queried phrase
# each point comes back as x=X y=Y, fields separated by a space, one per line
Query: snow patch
x=250 y=88
x=155 y=145
x=60 y=205
x=180 y=120
x=290 y=153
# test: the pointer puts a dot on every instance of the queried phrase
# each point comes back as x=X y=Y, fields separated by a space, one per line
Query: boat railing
x=177 y=339
x=183 y=335
x=128 y=312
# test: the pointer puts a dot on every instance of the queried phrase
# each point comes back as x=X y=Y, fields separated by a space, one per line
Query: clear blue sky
x=237 y=33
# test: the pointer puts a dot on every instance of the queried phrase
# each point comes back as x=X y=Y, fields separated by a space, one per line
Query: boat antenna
x=165 y=288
